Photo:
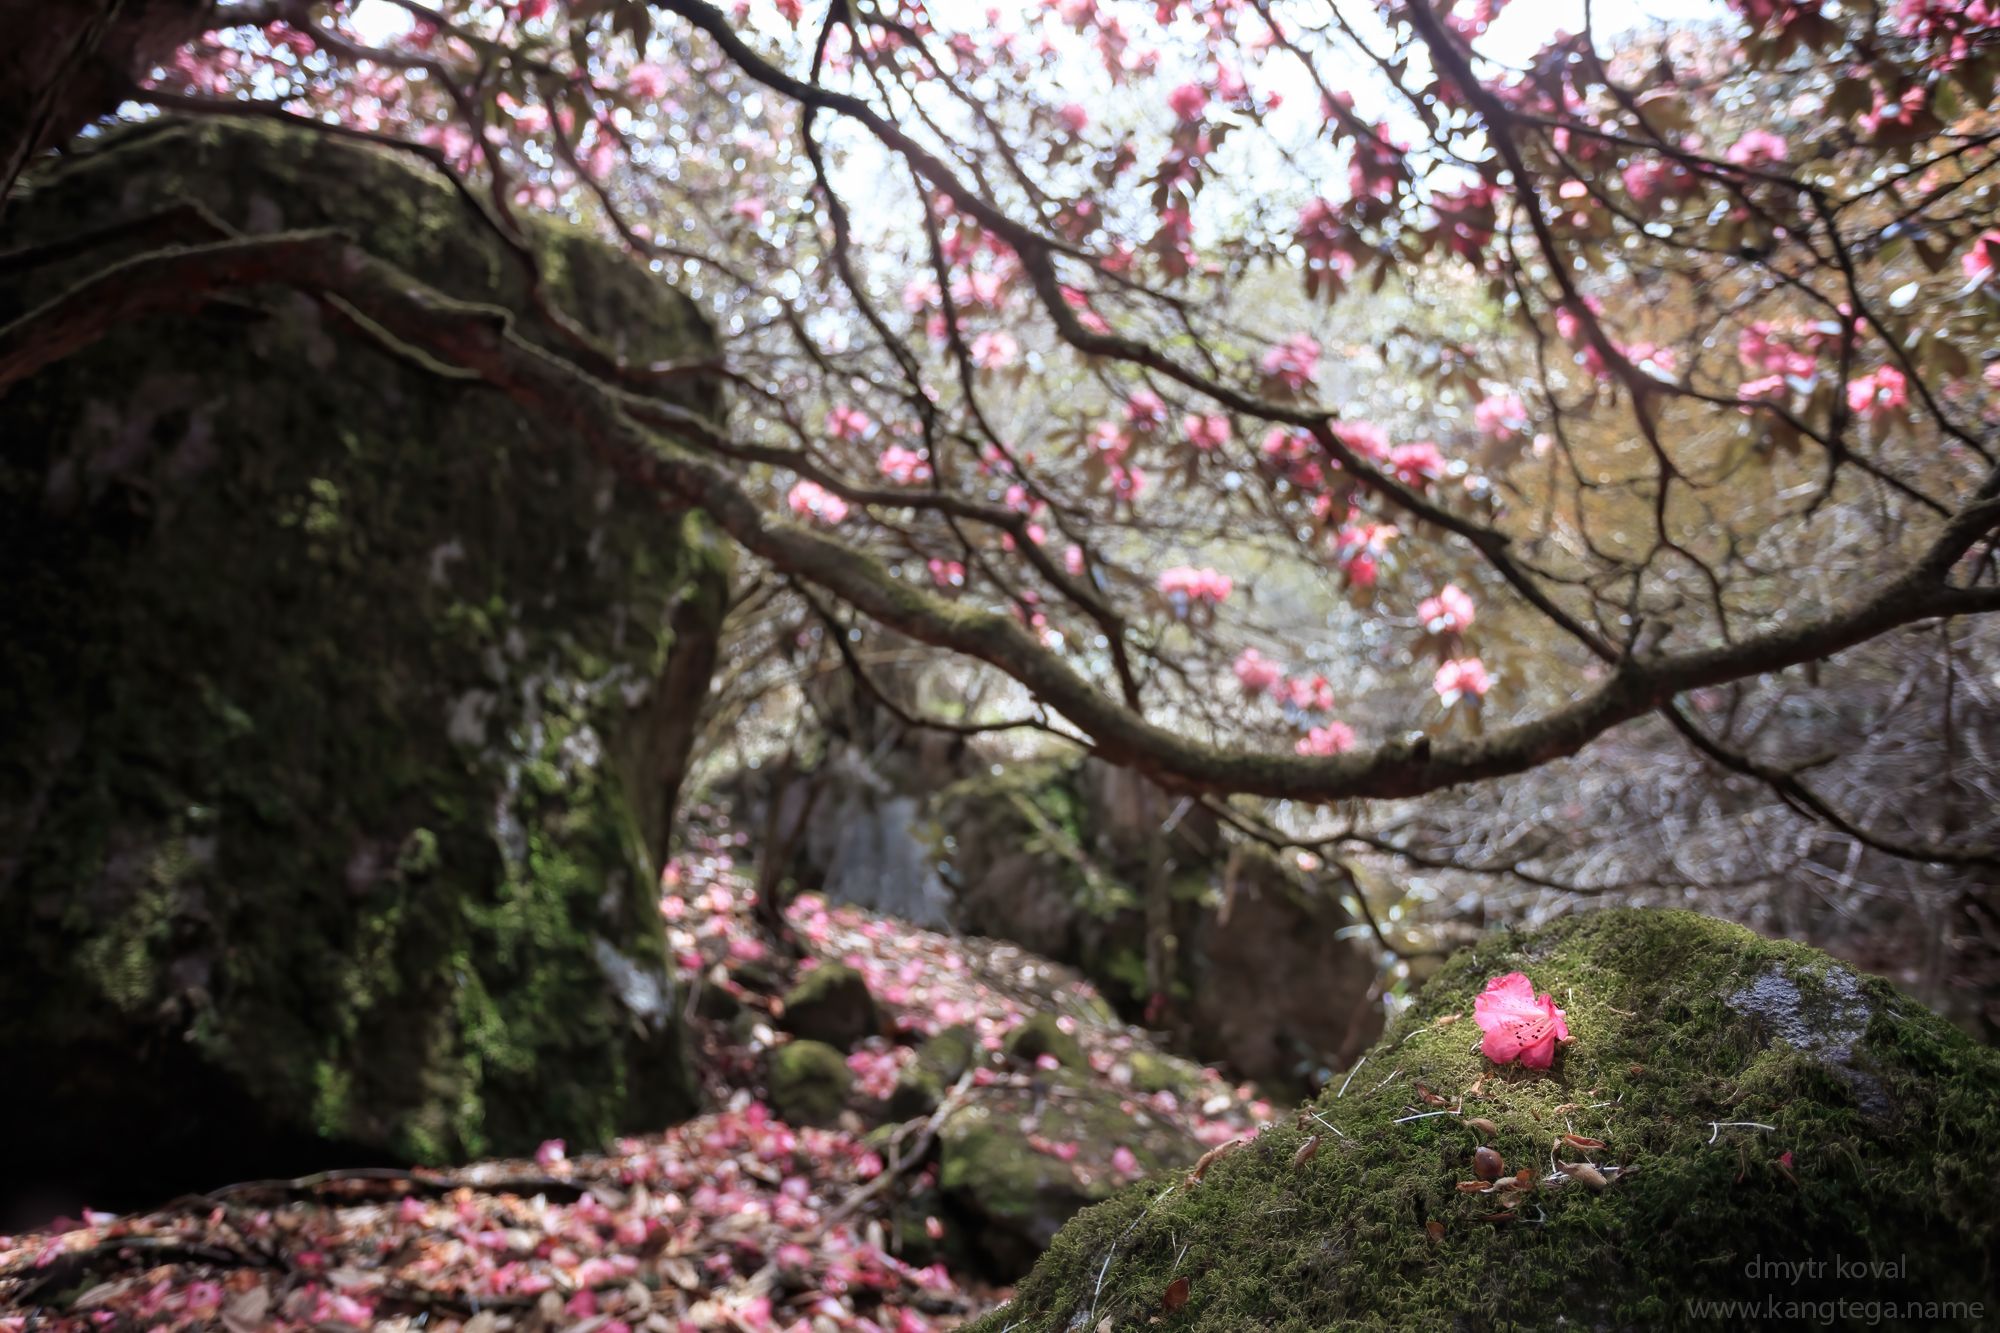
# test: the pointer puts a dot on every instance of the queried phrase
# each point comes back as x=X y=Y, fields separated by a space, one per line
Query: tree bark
x=67 y=63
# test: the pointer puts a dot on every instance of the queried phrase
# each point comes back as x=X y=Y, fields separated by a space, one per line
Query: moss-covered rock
x=345 y=708
x=1154 y=1072
x=1262 y=970
x=1765 y=1114
x=941 y=1061
x=1043 y=1035
x=832 y=1004
x=809 y=1082
x=1017 y=1164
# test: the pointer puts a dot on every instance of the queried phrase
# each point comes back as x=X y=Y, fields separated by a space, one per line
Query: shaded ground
x=733 y=1221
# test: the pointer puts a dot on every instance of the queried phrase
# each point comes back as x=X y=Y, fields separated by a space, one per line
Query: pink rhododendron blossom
x=847 y=423
x=1983 y=258
x=1075 y=118
x=1758 y=148
x=1195 y=586
x=1881 y=390
x=549 y=1153
x=1501 y=416
x=1417 y=464
x=1460 y=678
x=905 y=467
x=1209 y=431
x=1255 y=672
x=1144 y=411
x=995 y=350
x=1519 y=1024
x=809 y=499
x=1188 y=101
x=1333 y=738
x=1448 y=612
x=647 y=80
x=1294 y=362
x=1124 y=1162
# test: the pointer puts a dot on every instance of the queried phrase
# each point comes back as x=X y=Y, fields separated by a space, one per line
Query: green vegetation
x=1884 y=1129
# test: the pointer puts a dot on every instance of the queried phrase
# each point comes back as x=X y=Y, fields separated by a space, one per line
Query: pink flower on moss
x=1519 y=1024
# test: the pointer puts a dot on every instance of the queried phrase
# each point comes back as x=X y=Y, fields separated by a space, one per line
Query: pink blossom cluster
x=809 y=499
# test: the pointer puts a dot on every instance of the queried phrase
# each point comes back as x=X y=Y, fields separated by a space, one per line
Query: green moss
x=351 y=701
x=831 y=1003
x=809 y=1082
x=1043 y=1035
x=1890 y=1116
x=1165 y=1073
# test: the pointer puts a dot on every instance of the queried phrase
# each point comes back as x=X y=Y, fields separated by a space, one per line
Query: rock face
x=1764 y=1126
x=831 y=1003
x=345 y=710
x=1264 y=973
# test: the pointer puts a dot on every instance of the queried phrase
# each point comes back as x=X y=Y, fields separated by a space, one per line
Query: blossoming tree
x=1046 y=332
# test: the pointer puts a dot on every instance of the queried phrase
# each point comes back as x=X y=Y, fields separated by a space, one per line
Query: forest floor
x=733 y=1221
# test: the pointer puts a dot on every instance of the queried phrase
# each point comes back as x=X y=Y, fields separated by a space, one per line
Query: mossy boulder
x=809 y=1082
x=1153 y=1072
x=831 y=1003
x=941 y=1061
x=1765 y=1114
x=1018 y=1163
x=1043 y=1035
x=345 y=706
x=1262 y=968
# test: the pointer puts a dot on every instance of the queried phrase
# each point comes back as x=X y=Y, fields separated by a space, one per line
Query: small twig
x=1427 y=1115
x=904 y=1160
x=1717 y=1126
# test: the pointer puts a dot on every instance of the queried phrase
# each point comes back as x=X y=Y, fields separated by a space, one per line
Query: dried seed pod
x=1487 y=1164
x=1474 y=1187
x=1583 y=1172
x=1434 y=1229
x=1579 y=1141
x=1306 y=1151
x=1484 y=1126
x=1177 y=1295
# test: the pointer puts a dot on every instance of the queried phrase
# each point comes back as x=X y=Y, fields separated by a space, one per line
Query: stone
x=1009 y=1191
x=809 y=1082
x=346 y=706
x=831 y=1003
x=1043 y=1035
x=1762 y=1124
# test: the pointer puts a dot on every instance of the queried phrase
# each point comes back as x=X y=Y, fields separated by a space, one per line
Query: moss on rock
x=346 y=707
x=832 y=1004
x=809 y=1082
x=1043 y=1035
x=1004 y=1168
x=1767 y=1114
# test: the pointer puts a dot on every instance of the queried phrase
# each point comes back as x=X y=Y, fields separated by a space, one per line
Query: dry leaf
x=247 y=1312
x=1210 y=1158
x=1446 y=1021
x=1579 y=1141
x=1566 y=1108
x=1584 y=1172
x=1177 y=1295
x=1474 y=1187
x=1434 y=1229
x=1431 y=1098
x=1306 y=1151
x=1484 y=1126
